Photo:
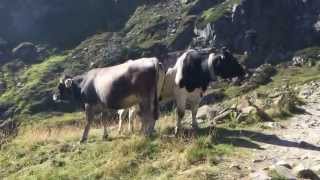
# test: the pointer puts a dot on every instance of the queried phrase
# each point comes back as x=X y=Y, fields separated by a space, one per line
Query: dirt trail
x=292 y=142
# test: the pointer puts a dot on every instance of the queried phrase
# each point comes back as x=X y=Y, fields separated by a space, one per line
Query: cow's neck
x=208 y=70
x=76 y=90
x=211 y=68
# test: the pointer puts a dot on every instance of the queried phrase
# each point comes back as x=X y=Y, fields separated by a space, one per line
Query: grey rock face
x=266 y=29
x=26 y=51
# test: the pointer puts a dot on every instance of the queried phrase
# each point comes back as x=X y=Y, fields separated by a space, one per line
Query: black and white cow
x=116 y=87
x=194 y=72
x=186 y=82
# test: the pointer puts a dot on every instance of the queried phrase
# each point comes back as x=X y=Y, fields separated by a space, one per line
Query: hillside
x=40 y=41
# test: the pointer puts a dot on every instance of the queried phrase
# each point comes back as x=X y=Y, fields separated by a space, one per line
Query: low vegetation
x=213 y=14
x=28 y=85
x=53 y=152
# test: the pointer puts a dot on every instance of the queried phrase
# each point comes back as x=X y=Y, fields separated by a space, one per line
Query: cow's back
x=123 y=85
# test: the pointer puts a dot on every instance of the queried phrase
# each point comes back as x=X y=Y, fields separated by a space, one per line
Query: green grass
x=35 y=80
x=275 y=176
x=40 y=153
x=213 y=14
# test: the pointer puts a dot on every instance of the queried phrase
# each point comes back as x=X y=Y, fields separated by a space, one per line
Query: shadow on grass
x=247 y=138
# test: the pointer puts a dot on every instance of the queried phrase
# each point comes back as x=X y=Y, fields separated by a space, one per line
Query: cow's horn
x=61 y=80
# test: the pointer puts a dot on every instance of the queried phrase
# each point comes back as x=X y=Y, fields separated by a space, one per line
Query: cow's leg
x=181 y=106
x=132 y=114
x=147 y=118
x=194 y=109
x=104 y=120
x=142 y=117
x=194 y=122
x=122 y=114
x=89 y=117
x=180 y=115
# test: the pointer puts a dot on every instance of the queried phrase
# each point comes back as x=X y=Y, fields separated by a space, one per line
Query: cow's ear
x=68 y=83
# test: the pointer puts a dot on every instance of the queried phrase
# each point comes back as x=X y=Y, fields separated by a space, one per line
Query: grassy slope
x=35 y=79
x=46 y=152
x=216 y=12
x=50 y=149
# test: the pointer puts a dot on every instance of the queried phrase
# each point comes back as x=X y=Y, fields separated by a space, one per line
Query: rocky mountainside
x=267 y=30
x=100 y=33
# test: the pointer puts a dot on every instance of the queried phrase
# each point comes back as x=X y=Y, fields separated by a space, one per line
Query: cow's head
x=226 y=65
x=64 y=91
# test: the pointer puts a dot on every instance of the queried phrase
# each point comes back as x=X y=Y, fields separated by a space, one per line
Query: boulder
x=207 y=112
x=303 y=170
x=261 y=36
x=263 y=74
x=284 y=172
x=26 y=51
x=316 y=169
x=284 y=163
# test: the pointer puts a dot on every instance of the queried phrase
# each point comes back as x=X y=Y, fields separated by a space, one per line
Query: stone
x=259 y=175
x=272 y=124
x=248 y=110
x=284 y=172
x=284 y=164
x=303 y=171
x=26 y=51
x=204 y=112
x=316 y=169
x=235 y=166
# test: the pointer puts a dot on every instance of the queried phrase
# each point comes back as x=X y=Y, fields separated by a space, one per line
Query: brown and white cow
x=186 y=82
x=116 y=87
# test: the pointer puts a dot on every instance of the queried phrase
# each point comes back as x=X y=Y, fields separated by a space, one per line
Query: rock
x=26 y=51
x=316 y=169
x=259 y=175
x=2 y=87
x=248 y=110
x=206 y=112
x=298 y=61
x=235 y=166
x=284 y=164
x=263 y=74
x=185 y=1
x=303 y=171
x=272 y=124
x=261 y=159
x=284 y=172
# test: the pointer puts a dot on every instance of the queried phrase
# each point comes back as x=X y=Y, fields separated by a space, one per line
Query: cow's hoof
x=177 y=131
x=83 y=141
x=195 y=127
x=105 y=137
